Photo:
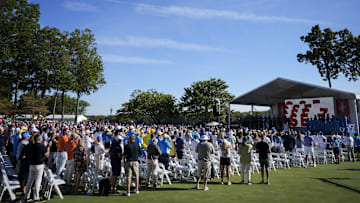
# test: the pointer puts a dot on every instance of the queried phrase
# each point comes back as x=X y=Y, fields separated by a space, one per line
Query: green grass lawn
x=325 y=183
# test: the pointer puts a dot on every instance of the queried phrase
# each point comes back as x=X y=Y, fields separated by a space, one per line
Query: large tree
x=350 y=54
x=149 y=107
x=69 y=105
x=332 y=53
x=19 y=22
x=200 y=98
x=86 y=64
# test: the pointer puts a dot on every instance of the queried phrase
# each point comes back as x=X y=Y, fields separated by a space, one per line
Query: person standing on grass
x=116 y=152
x=336 y=149
x=225 y=147
x=205 y=150
x=180 y=146
x=165 y=148
x=309 y=149
x=38 y=153
x=131 y=152
x=357 y=145
x=99 y=155
x=153 y=153
x=245 y=159
x=263 y=149
x=80 y=164
x=349 y=141
x=69 y=148
x=61 y=153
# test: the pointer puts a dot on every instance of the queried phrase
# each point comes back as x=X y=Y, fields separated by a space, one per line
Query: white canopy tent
x=68 y=117
x=213 y=124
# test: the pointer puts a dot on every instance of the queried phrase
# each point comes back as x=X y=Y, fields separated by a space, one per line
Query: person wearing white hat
x=205 y=151
x=88 y=140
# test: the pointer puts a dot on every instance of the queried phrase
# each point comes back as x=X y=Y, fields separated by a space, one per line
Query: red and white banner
x=299 y=110
x=342 y=107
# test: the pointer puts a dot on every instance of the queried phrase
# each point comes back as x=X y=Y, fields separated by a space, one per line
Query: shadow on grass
x=350 y=169
x=166 y=189
x=328 y=180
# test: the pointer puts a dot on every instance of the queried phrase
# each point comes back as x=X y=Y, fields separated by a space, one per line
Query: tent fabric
x=279 y=89
x=67 y=117
x=214 y=123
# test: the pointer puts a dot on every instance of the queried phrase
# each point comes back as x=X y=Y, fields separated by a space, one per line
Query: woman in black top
x=38 y=153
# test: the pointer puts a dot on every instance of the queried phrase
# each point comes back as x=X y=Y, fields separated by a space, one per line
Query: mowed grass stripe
x=294 y=185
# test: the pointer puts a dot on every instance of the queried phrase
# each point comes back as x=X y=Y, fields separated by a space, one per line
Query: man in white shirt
x=88 y=140
x=349 y=143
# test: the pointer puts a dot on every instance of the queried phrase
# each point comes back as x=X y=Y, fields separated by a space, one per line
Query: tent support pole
x=229 y=120
x=356 y=117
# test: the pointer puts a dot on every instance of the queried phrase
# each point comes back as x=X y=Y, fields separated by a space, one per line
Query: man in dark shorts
x=116 y=152
x=263 y=149
x=131 y=152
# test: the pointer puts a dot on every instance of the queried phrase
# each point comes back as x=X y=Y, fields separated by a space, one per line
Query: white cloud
x=133 y=41
x=80 y=6
x=134 y=60
x=219 y=14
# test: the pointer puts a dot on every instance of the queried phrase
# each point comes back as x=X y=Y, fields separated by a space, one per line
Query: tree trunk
x=329 y=80
x=54 y=107
x=16 y=92
x=62 y=105
x=77 y=107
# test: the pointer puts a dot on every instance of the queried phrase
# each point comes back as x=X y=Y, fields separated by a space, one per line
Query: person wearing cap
x=99 y=155
x=165 y=147
x=131 y=152
x=106 y=136
x=115 y=152
x=15 y=141
x=349 y=141
x=23 y=158
x=88 y=140
x=61 y=153
x=38 y=153
x=205 y=152
x=69 y=148
x=245 y=159
x=154 y=152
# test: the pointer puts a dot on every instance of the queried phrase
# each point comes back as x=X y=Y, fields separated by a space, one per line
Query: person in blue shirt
x=165 y=147
x=336 y=150
x=107 y=136
x=357 y=145
x=44 y=135
x=16 y=139
x=309 y=148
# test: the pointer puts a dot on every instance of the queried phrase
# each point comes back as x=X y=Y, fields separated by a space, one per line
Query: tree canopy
x=199 y=100
x=38 y=60
x=332 y=53
x=149 y=107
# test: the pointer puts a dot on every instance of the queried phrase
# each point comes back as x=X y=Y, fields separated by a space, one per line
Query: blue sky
x=168 y=44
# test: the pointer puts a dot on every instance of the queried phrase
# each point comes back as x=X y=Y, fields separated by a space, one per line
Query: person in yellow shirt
x=146 y=139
